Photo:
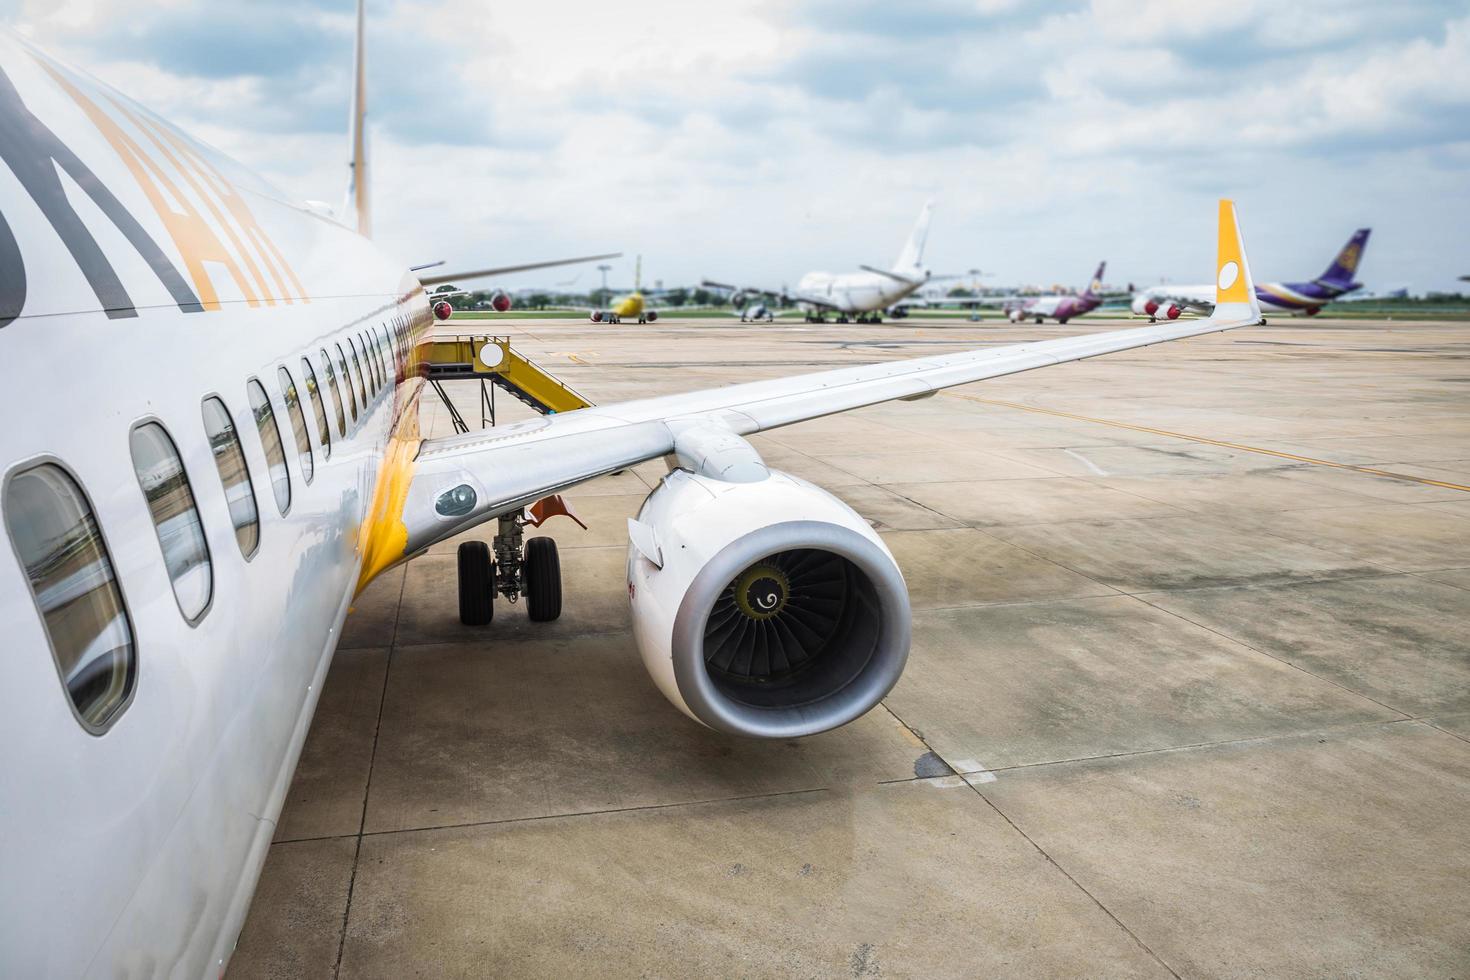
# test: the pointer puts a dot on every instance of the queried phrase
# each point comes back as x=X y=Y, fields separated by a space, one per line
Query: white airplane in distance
x=212 y=445
x=863 y=296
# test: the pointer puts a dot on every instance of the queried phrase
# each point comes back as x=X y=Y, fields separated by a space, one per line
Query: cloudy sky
x=759 y=139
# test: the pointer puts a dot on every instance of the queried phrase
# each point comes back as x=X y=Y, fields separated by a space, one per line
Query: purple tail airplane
x=1062 y=308
x=1307 y=298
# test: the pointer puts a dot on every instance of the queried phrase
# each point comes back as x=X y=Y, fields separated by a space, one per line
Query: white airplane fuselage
x=177 y=792
x=855 y=292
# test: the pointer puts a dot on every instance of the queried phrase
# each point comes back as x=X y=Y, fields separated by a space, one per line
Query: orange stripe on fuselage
x=192 y=235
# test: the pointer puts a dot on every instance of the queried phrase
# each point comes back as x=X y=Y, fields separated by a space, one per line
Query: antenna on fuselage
x=357 y=212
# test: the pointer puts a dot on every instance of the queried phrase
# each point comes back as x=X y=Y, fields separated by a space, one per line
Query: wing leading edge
x=510 y=467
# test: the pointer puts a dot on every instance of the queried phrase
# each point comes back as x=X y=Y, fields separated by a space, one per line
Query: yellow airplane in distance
x=632 y=305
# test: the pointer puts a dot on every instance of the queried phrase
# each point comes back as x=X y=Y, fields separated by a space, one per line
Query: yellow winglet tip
x=1232 y=283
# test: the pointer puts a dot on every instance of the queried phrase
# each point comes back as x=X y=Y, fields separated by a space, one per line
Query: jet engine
x=1016 y=315
x=1164 y=311
x=595 y=316
x=442 y=310
x=651 y=315
x=762 y=605
x=500 y=301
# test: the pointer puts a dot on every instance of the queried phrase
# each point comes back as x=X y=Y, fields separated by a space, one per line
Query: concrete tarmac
x=1189 y=692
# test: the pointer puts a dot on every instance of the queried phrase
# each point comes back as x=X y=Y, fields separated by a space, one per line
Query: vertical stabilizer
x=1340 y=274
x=912 y=256
x=357 y=212
x=1235 y=290
x=1095 y=285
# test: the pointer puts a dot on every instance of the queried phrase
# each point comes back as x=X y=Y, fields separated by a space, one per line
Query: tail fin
x=1343 y=268
x=1095 y=285
x=357 y=212
x=1235 y=290
x=912 y=255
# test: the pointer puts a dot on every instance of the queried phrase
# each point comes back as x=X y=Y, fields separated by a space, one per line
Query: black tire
x=476 y=584
x=543 y=580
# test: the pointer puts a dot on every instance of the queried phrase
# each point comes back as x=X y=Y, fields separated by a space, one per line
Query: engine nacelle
x=651 y=315
x=764 y=606
x=500 y=302
x=595 y=316
x=442 y=310
x=1016 y=315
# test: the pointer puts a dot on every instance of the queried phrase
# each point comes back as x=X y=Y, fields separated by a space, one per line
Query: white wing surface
x=512 y=466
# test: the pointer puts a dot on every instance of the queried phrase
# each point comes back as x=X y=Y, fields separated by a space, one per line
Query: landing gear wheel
x=476 y=584
x=1040 y=320
x=543 y=580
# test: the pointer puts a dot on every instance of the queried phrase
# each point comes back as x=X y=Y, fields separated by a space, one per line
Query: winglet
x=1235 y=290
x=358 y=211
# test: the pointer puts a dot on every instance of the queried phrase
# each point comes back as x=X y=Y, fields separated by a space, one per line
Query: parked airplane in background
x=754 y=310
x=1168 y=302
x=632 y=305
x=863 y=296
x=191 y=506
x=1060 y=308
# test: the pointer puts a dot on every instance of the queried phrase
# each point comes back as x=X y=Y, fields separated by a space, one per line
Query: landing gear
x=543 y=580
x=530 y=568
x=842 y=318
x=1040 y=320
x=476 y=584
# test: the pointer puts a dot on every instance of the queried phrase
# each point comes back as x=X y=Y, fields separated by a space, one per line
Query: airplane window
x=323 y=427
x=298 y=423
x=377 y=366
x=390 y=355
x=229 y=458
x=347 y=381
x=331 y=377
x=378 y=353
x=370 y=375
x=175 y=518
x=270 y=440
x=58 y=542
x=361 y=383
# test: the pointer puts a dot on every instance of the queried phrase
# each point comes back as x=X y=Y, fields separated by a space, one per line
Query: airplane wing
x=510 y=467
x=442 y=277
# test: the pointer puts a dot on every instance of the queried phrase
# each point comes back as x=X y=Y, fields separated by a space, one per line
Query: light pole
x=603 y=269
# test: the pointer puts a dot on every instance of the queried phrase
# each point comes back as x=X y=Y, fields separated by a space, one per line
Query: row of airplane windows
x=56 y=535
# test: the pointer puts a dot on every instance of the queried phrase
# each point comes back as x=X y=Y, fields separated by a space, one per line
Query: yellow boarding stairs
x=494 y=362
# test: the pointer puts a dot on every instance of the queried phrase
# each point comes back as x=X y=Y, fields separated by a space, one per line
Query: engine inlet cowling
x=766 y=629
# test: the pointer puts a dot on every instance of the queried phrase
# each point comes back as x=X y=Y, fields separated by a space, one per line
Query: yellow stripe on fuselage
x=383 y=535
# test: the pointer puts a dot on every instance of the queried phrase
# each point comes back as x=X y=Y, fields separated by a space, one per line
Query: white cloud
x=754 y=139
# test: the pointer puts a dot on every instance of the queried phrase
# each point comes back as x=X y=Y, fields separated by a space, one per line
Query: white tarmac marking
x=973 y=771
x=1098 y=470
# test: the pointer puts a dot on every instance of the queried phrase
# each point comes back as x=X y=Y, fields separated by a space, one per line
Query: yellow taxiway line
x=1213 y=442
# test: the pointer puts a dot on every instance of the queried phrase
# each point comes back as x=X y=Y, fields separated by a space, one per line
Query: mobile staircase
x=495 y=364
